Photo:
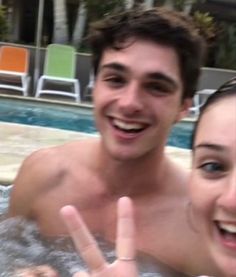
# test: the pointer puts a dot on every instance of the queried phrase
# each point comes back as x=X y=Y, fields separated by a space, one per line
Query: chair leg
x=26 y=83
x=39 y=87
x=77 y=91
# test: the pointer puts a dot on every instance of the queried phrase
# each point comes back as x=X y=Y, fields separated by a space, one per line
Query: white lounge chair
x=199 y=100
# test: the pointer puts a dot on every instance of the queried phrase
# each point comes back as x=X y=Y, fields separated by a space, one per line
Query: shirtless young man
x=147 y=65
x=212 y=197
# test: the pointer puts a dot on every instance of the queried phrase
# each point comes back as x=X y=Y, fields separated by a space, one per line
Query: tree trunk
x=129 y=4
x=169 y=4
x=188 y=6
x=80 y=25
x=60 y=32
x=148 y=4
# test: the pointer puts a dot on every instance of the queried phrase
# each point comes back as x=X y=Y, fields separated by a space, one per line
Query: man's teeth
x=127 y=126
x=227 y=227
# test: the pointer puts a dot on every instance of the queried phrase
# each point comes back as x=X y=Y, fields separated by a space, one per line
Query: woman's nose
x=228 y=197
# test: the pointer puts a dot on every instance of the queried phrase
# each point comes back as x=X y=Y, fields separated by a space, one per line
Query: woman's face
x=213 y=183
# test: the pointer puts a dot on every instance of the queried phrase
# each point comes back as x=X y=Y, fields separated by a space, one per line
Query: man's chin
x=125 y=155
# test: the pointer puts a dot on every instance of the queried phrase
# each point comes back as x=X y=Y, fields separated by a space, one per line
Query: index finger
x=82 y=238
x=125 y=244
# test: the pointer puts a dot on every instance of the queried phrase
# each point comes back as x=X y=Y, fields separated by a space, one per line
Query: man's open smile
x=127 y=126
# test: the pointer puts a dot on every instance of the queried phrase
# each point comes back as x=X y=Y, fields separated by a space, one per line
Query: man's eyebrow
x=116 y=66
x=211 y=146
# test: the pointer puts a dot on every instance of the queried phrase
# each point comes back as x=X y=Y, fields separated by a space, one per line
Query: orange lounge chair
x=14 y=68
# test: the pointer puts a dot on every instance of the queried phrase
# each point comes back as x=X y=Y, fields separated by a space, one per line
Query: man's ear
x=184 y=109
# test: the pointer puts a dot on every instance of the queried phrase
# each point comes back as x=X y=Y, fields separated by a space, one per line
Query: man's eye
x=115 y=81
x=157 y=88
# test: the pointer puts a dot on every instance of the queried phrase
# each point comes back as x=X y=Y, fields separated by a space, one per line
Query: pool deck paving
x=17 y=141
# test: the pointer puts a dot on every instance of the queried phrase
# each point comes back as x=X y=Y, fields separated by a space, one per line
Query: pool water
x=43 y=114
x=4 y=198
x=21 y=245
x=73 y=118
x=181 y=135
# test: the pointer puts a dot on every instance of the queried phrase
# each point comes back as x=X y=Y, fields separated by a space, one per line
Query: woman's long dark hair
x=228 y=89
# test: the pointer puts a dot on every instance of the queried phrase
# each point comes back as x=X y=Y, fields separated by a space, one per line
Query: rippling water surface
x=21 y=245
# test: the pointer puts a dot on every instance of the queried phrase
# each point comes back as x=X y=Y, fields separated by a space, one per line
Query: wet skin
x=137 y=98
x=213 y=183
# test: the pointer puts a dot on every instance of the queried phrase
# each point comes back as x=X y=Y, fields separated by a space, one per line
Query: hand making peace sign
x=125 y=265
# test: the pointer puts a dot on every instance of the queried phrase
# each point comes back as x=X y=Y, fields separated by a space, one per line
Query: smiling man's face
x=137 y=98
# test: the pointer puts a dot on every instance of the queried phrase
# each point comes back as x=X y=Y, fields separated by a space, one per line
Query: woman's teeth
x=227 y=227
x=227 y=231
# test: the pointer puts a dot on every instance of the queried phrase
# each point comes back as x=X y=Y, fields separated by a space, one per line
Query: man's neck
x=133 y=177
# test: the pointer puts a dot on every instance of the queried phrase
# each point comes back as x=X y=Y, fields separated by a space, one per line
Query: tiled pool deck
x=18 y=141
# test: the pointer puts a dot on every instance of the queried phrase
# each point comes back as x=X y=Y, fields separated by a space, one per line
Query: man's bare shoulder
x=44 y=169
x=176 y=177
x=52 y=160
x=82 y=147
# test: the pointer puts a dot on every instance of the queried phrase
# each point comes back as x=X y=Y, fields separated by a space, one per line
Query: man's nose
x=131 y=100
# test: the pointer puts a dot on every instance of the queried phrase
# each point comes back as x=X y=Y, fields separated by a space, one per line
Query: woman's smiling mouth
x=227 y=233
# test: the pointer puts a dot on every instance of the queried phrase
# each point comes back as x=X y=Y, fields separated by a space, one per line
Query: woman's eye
x=212 y=168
